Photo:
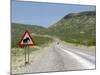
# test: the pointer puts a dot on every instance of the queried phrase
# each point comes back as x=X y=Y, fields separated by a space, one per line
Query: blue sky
x=43 y=14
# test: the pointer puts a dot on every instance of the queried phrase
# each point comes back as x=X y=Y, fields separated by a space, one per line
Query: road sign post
x=25 y=55
x=28 y=54
x=26 y=41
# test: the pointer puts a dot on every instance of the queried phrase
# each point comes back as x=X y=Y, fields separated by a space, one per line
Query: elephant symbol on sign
x=26 y=40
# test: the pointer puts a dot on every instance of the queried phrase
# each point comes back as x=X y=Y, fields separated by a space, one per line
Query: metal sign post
x=25 y=55
x=28 y=54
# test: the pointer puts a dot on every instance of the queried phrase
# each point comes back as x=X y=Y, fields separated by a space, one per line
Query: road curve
x=59 y=57
x=85 y=61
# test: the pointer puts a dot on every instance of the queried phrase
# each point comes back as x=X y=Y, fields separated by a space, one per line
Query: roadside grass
x=18 y=57
x=42 y=41
x=18 y=53
x=81 y=40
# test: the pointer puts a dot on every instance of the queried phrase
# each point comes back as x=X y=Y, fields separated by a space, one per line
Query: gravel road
x=60 y=57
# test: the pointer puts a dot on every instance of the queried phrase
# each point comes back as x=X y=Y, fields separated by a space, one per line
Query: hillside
x=19 y=29
x=78 y=28
x=16 y=27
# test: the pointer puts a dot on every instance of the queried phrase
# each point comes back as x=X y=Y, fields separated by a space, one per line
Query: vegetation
x=78 y=28
x=19 y=29
x=42 y=40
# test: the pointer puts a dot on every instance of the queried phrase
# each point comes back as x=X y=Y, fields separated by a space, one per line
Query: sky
x=43 y=14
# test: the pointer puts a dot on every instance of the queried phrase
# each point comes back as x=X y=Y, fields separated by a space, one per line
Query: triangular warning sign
x=26 y=40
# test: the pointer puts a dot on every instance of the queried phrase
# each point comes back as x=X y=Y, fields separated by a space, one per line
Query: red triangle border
x=19 y=44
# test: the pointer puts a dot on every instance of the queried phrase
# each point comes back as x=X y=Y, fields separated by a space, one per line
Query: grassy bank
x=18 y=53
